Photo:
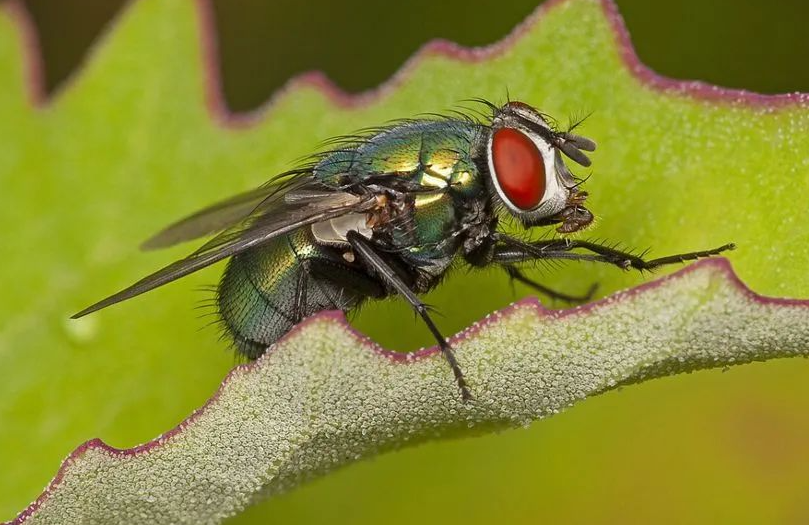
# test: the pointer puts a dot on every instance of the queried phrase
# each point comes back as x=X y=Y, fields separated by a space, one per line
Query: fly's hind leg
x=353 y=285
x=516 y=275
x=328 y=284
x=299 y=306
x=372 y=260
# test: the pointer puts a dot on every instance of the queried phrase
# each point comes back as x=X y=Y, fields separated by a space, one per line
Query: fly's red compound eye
x=518 y=168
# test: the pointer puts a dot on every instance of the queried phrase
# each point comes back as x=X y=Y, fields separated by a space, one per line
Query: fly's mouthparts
x=574 y=216
x=577 y=198
x=381 y=200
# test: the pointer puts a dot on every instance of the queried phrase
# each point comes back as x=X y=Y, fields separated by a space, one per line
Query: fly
x=388 y=212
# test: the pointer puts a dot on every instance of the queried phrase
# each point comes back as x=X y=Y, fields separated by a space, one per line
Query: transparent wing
x=283 y=217
x=226 y=213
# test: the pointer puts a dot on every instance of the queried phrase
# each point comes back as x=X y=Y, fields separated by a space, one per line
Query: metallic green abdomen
x=267 y=290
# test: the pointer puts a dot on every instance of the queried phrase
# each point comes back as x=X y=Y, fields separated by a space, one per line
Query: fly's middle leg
x=376 y=263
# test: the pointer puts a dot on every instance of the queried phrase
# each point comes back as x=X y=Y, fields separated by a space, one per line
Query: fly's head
x=527 y=171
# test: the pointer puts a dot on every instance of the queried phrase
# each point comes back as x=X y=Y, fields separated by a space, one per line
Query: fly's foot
x=638 y=263
x=466 y=394
x=589 y=295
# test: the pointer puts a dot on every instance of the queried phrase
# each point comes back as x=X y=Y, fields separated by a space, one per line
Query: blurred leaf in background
x=747 y=44
x=722 y=448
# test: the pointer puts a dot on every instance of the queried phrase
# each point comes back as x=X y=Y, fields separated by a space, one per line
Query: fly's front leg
x=510 y=249
x=371 y=259
x=627 y=260
x=517 y=275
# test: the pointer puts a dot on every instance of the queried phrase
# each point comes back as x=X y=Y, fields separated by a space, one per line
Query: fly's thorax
x=333 y=171
x=420 y=152
x=421 y=170
x=429 y=227
x=418 y=156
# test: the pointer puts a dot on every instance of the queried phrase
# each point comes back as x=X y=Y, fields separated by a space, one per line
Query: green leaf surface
x=136 y=140
x=324 y=397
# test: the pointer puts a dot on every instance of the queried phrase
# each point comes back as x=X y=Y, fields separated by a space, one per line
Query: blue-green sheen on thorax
x=427 y=153
x=433 y=156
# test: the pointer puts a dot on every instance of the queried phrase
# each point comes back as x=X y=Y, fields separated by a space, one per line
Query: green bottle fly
x=389 y=212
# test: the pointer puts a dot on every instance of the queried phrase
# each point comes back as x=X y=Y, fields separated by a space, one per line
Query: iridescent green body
x=268 y=289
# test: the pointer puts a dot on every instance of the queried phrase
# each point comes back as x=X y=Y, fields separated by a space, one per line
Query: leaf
x=326 y=396
x=130 y=144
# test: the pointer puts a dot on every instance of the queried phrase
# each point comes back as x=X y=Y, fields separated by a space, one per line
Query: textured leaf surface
x=131 y=144
x=325 y=396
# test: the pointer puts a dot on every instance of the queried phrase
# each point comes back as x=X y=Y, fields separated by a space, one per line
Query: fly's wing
x=226 y=213
x=283 y=217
